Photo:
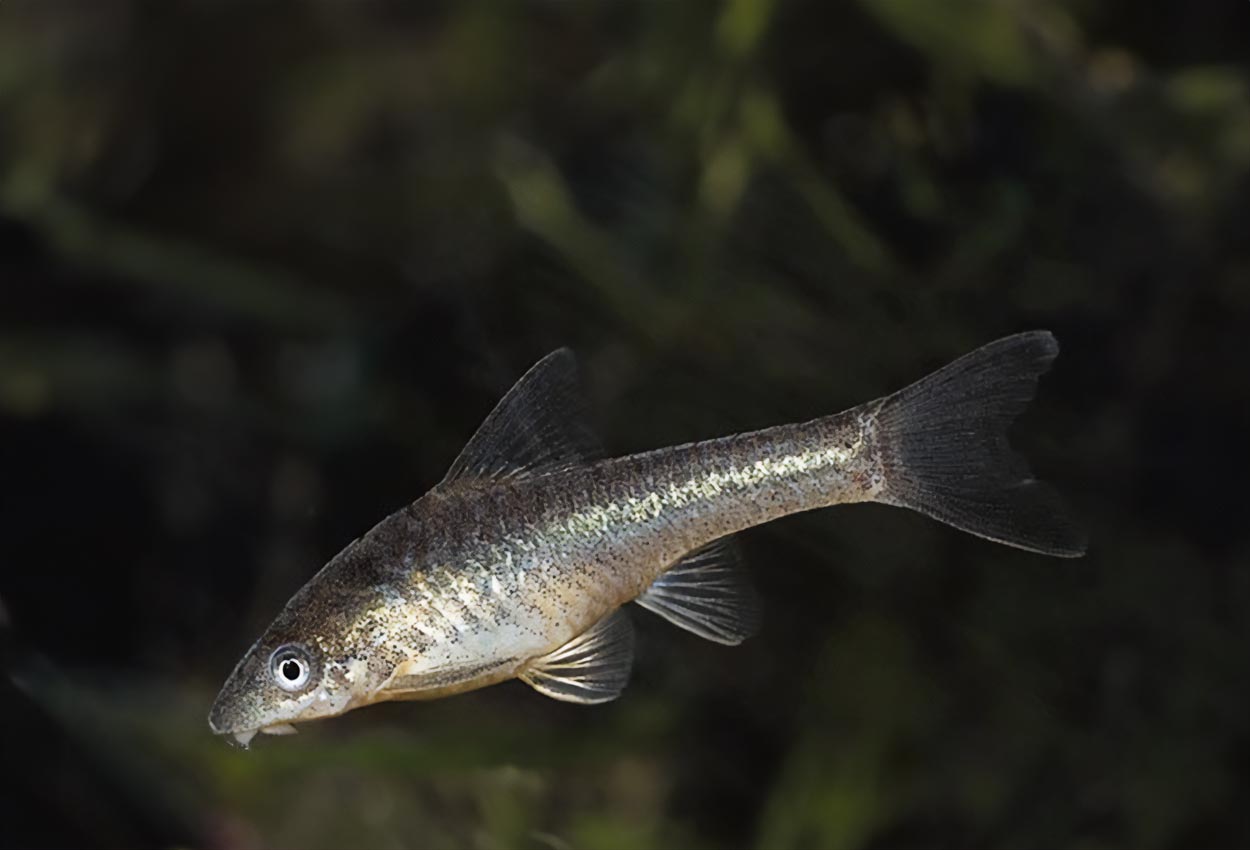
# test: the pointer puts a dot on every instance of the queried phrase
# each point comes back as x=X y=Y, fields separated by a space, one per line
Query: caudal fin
x=946 y=455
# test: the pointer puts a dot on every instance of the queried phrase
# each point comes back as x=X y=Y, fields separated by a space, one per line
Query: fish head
x=306 y=666
x=334 y=644
x=280 y=682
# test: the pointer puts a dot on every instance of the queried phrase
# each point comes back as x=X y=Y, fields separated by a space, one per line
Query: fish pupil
x=290 y=669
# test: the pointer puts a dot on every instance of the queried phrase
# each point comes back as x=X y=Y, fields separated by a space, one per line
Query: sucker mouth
x=243 y=738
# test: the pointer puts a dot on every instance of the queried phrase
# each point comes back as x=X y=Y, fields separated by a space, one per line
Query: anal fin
x=593 y=667
x=707 y=593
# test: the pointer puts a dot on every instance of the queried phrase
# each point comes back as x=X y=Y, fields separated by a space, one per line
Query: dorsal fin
x=707 y=593
x=540 y=425
x=593 y=667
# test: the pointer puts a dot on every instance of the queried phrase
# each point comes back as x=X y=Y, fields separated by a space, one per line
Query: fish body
x=519 y=563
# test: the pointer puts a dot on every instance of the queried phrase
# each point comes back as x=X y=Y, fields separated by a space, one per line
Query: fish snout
x=231 y=710
x=218 y=721
x=219 y=725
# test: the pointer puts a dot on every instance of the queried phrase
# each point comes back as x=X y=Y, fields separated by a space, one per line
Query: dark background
x=265 y=266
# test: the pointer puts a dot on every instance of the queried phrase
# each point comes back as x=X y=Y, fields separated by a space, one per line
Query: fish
x=521 y=562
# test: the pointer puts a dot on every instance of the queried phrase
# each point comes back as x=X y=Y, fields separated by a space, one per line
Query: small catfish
x=518 y=564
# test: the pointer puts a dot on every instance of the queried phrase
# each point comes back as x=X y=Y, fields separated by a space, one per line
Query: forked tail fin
x=945 y=452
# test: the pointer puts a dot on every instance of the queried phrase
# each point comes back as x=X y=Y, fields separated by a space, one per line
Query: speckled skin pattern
x=471 y=582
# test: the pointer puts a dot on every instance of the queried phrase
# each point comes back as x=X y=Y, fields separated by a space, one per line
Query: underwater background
x=264 y=267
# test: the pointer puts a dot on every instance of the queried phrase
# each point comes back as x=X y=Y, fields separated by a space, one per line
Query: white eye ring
x=290 y=667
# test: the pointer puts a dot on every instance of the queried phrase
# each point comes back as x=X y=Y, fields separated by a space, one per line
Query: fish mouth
x=242 y=738
x=219 y=723
x=236 y=737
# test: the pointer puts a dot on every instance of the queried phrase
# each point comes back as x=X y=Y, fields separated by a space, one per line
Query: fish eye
x=290 y=667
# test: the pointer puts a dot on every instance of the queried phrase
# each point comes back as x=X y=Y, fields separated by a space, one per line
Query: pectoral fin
x=593 y=667
x=708 y=593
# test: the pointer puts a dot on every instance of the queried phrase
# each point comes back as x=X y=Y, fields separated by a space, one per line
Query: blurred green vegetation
x=263 y=267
